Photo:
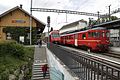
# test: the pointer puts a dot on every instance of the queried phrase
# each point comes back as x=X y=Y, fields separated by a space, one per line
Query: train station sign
x=18 y=21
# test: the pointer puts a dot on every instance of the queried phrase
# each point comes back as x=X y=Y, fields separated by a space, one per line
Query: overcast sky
x=57 y=20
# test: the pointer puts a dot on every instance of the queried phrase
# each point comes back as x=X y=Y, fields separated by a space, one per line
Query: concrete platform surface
x=115 y=49
x=40 y=58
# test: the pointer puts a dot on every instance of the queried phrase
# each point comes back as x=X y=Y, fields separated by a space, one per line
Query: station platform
x=115 y=49
x=40 y=59
x=56 y=71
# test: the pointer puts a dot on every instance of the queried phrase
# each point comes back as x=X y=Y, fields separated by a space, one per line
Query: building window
x=28 y=35
x=8 y=36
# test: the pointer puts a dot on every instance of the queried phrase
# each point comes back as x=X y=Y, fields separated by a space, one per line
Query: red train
x=94 y=39
x=54 y=36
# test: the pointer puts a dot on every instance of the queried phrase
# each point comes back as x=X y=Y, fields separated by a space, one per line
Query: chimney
x=21 y=5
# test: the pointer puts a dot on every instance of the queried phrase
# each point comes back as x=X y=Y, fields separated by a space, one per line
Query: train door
x=76 y=39
x=64 y=40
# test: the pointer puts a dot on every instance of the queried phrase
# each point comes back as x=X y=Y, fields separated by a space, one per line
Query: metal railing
x=85 y=67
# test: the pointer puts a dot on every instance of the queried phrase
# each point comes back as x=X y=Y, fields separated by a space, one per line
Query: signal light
x=48 y=19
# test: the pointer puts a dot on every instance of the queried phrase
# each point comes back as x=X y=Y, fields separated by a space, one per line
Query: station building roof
x=73 y=23
x=20 y=8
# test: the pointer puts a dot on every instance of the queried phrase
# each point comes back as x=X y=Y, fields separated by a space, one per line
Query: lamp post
x=31 y=23
x=98 y=17
x=109 y=11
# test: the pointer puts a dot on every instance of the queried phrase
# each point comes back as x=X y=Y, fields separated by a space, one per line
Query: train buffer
x=39 y=60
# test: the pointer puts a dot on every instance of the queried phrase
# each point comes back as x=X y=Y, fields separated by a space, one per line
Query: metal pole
x=109 y=12
x=48 y=25
x=31 y=23
x=119 y=37
x=98 y=17
x=48 y=32
x=89 y=22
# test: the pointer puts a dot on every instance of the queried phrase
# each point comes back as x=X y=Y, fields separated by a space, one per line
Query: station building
x=73 y=26
x=15 y=25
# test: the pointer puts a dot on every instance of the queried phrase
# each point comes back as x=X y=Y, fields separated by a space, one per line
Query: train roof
x=98 y=28
x=54 y=31
x=84 y=29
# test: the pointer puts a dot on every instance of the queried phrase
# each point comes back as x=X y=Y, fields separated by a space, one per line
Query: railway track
x=112 y=58
x=113 y=54
x=88 y=66
x=109 y=54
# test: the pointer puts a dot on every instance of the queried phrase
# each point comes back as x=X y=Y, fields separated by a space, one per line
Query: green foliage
x=114 y=18
x=11 y=48
x=102 y=20
x=16 y=32
x=12 y=56
x=4 y=75
x=106 y=19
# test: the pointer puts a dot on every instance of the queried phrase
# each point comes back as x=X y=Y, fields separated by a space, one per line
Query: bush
x=11 y=48
x=4 y=75
x=12 y=57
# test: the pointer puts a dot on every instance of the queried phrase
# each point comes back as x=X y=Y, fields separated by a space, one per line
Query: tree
x=114 y=18
x=106 y=19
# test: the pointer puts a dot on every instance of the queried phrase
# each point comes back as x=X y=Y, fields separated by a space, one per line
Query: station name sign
x=18 y=21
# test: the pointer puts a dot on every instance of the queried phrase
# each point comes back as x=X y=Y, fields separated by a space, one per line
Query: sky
x=60 y=19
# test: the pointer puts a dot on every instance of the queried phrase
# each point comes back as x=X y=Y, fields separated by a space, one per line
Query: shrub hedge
x=12 y=56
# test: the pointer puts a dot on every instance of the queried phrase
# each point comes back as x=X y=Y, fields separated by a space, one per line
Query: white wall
x=114 y=32
x=79 y=25
x=68 y=29
x=53 y=61
x=82 y=25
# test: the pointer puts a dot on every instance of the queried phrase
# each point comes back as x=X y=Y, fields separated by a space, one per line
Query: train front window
x=55 y=35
